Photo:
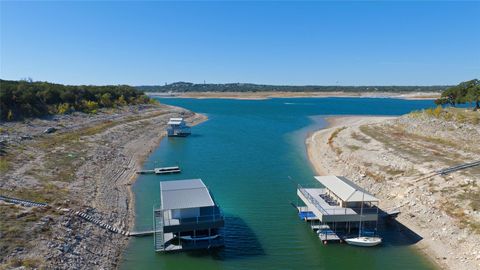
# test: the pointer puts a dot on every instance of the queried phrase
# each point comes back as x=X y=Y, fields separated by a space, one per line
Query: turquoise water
x=246 y=154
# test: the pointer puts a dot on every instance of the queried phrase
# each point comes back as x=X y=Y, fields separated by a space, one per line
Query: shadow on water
x=240 y=242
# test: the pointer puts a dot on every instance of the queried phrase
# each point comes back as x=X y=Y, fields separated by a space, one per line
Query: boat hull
x=190 y=238
x=364 y=241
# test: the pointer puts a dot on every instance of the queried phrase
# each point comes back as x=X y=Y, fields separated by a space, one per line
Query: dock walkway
x=448 y=170
x=80 y=214
x=162 y=170
x=22 y=202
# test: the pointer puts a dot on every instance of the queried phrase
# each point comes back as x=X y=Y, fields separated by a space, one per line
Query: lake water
x=245 y=153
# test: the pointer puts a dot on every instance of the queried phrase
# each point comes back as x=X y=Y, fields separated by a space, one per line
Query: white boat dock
x=187 y=212
x=163 y=170
x=337 y=207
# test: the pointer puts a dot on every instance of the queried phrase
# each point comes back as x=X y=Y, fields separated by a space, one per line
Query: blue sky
x=294 y=43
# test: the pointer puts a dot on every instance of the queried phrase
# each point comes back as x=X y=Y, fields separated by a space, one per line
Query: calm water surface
x=245 y=154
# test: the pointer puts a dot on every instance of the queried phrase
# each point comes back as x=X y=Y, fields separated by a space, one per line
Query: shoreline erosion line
x=270 y=95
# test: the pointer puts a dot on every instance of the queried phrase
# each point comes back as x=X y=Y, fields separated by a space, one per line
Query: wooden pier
x=162 y=170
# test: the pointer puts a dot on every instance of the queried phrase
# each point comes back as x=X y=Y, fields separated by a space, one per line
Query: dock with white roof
x=188 y=217
x=177 y=127
x=336 y=207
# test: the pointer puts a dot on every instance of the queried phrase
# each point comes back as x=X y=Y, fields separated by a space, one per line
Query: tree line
x=20 y=99
x=465 y=92
x=182 y=87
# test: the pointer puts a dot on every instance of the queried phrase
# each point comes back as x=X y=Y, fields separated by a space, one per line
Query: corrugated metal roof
x=345 y=189
x=181 y=194
x=175 y=121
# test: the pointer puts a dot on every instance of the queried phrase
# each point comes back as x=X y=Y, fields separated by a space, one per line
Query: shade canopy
x=345 y=189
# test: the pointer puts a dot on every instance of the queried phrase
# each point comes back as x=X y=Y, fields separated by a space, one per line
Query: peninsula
x=396 y=159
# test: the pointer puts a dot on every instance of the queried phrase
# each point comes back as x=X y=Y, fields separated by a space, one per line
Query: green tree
x=465 y=92
x=473 y=94
x=31 y=99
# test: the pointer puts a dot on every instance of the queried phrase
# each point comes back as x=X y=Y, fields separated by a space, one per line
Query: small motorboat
x=198 y=238
x=364 y=241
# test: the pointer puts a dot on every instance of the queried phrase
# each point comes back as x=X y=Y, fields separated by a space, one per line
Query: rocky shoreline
x=389 y=156
x=101 y=154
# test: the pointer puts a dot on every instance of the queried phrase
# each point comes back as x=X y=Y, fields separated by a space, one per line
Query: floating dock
x=163 y=170
x=188 y=217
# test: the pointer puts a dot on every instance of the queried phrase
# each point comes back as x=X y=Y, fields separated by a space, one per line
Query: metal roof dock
x=345 y=189
x=336 y=206
x=190 y=193
x=188 y=217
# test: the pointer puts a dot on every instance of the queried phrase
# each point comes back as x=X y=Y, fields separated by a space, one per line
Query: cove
x=251 y=155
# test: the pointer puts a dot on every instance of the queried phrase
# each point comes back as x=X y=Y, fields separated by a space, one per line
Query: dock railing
x=335 y=211
x=193 y=220
x=312 y=200
x=168 y=221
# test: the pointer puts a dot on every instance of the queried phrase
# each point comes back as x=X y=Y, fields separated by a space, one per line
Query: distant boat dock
x=163 y=170
x=177 y=127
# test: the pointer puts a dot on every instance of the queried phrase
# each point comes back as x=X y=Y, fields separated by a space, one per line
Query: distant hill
x=249 y=87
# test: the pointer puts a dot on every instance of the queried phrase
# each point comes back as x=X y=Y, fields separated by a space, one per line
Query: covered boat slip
x=337 y=208
x=188 y=217
x=339 y=200
x=177 y=127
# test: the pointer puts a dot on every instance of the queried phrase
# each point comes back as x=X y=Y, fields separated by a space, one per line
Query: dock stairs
x=158 y=236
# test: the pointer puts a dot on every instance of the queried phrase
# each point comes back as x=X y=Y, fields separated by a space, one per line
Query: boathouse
x=177 y=127
x=188 y=217
x=338 y=206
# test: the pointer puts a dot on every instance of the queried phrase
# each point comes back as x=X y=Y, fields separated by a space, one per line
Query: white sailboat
x=363 y=241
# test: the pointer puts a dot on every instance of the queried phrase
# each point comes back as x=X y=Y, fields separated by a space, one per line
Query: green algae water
x=251 y=154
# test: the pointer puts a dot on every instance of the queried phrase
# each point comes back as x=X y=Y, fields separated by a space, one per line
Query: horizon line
x=245 y=83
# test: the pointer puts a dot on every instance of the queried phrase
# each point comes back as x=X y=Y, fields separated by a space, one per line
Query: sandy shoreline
x=326 y=159
x=268 y=95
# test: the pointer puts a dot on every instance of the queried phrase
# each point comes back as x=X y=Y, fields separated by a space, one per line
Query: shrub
x=91 y=106
x=437 y=111
x=63 y=108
